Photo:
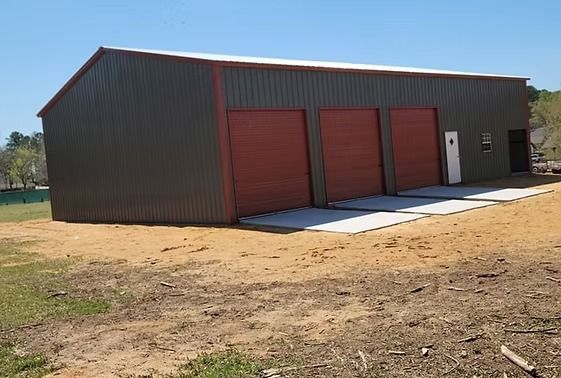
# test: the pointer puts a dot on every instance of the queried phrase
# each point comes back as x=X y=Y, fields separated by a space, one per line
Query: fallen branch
x=453 y=368
x=57 y=294
x=417 y=289
x=456 y=288
x=487 y=275
x=480 y=258
x=7 y=330
x=164 y=348
x=469 y=339
x=518 y=361
x=396 y=352
x=363 y=358
x=553 y=279
x=172 y=248
x=269 y=373
x=167 y=284
x=539 y=330
x=546 y=318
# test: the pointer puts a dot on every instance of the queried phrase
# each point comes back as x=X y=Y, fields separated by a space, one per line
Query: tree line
x=22 y=160
x=546 y=114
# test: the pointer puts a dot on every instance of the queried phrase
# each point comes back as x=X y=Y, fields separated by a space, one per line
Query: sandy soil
x=319 y=296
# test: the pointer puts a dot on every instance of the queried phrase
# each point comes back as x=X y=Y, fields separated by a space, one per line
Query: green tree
x=17 y=140
x=533 y=94
x=22 y=165
x=5 y=160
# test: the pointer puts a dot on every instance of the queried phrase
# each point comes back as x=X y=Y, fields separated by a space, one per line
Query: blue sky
x=45 y=42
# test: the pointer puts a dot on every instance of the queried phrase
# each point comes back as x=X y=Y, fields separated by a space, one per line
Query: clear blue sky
x=45 y=41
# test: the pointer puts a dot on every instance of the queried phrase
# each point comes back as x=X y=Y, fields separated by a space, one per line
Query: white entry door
x=453 y=157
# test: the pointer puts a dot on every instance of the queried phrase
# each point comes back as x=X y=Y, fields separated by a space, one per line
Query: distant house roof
x=228 y=60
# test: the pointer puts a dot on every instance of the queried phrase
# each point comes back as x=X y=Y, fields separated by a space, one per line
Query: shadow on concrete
x=525 y=181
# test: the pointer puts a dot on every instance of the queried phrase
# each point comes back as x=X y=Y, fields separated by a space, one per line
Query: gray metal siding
x=469 y=105
x=135 y=140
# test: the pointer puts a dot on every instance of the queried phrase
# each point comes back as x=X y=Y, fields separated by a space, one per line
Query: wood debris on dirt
x=453 y=288
x=420 y=288
x=25 y=326
x=487 y=275
x=452 y=368
x=363 y=358
x=58 y=294
x=469 y=339
x=553 y=279
x=163 y=283
x=534 y=330
x=173 y=248
x=518 y=361
x=397 y=352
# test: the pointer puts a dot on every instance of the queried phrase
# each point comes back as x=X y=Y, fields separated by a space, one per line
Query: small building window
x=486 y=142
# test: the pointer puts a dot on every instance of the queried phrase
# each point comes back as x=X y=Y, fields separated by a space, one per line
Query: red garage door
x=270 y=160
x=416 y=148
x=352 y=155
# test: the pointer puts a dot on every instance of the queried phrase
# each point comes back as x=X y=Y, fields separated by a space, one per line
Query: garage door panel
x=416 y=148
x=270 y=160
x=351 y=152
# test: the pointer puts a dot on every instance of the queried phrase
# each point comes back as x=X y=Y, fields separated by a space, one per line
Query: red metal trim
x=403 y=107
x=101 y=50
x=267 y=109
x=224 y=143
x=349 y=107
x=70 y=83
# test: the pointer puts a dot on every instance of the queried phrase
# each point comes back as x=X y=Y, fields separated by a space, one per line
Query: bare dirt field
x=484 y=278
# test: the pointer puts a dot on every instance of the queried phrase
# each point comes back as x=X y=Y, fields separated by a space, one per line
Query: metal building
x=165 y=137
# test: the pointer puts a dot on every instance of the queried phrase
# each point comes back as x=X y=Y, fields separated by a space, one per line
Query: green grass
x=24 y=212
x=227 y=364
x=26 y=282
x=14 y=364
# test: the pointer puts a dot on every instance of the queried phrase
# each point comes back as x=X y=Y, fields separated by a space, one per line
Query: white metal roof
x=309 y=63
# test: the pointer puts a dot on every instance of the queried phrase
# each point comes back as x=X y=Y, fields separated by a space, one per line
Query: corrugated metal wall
x=469 y=105
x=135 y=140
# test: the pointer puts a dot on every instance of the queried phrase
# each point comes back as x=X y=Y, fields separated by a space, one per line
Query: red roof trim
x=102 y=50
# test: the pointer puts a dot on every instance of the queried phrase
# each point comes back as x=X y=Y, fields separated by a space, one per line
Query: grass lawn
x=14 y=364
x=27 y=285
x=230 y=363
x=23 y=212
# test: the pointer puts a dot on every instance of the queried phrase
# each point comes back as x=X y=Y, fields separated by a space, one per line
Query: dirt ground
x=318 y=297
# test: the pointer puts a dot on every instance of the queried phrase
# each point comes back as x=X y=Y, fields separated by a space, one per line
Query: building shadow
x=524 y=181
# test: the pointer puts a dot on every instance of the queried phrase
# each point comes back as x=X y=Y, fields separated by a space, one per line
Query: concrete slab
x=432 y=206
x=473 y=193
x=345 y=221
